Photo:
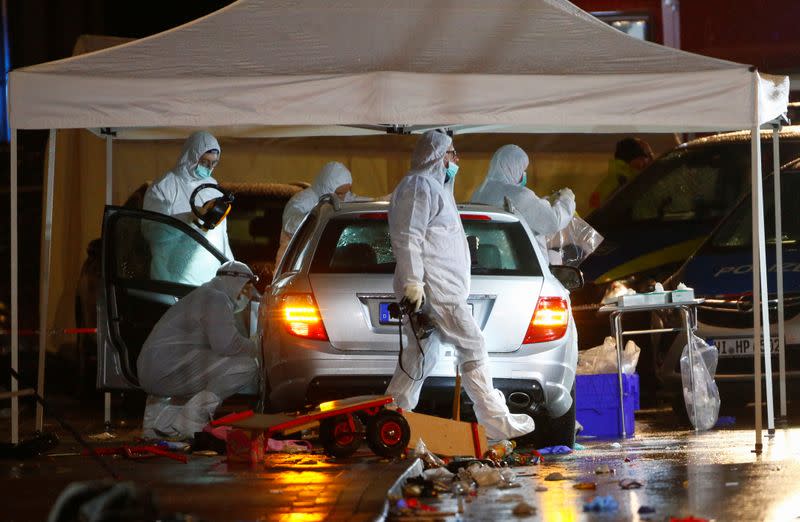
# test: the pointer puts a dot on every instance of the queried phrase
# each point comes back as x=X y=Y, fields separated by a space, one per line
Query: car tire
x=337 y=438
x=559 y=431
x=388 y=434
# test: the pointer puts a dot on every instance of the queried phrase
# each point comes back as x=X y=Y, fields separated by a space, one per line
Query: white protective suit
x=431 y=248
x=544 y=219
x=332 y=176
x=176 y=257
x=196 y=352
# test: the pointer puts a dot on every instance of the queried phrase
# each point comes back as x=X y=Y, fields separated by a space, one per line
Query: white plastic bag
x=575 y=242
x=603 y=358
x=702 y=406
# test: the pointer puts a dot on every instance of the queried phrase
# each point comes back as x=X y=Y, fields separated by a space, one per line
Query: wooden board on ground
x=445 y=436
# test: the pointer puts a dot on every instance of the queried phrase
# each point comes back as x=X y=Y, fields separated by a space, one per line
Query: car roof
x=495 y=213
x=791 y=132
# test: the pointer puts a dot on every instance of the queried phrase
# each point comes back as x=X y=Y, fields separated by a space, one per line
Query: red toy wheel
x=388 y=434
x=337 y=437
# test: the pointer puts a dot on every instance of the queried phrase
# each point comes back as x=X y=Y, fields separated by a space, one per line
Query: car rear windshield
x=737 y=229
x=353 y=245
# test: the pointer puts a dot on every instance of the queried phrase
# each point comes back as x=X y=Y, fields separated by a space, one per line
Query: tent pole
x=755 y=168
x=14 y=290
x=109 y=199
x=758 y=188
x=776 y=169
x=44 y=275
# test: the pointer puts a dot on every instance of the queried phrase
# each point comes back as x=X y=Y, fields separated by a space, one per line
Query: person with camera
x=175 y=257
x=432 y=275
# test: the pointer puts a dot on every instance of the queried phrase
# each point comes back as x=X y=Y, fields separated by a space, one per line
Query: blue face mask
x=450 y=172
x=524 y=180
x=202 y=172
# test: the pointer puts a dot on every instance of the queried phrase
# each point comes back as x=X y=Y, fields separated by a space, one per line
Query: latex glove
x=415 y=294
x=566 y=193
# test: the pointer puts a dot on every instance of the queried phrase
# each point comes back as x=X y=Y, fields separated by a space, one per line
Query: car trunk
x=353 y=309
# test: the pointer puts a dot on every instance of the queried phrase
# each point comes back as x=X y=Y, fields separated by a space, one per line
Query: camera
x=421 y=323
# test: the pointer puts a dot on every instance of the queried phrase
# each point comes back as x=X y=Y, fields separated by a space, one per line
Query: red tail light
x=301 y=318
x=549 y=321
x=475 y=217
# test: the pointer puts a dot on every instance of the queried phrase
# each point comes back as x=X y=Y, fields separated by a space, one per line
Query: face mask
x=202 y=172
x=524 y=180
x=241 y=303
x=450 y=172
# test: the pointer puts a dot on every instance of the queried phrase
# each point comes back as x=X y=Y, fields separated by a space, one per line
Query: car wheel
x=559 y=431
x=338 y=439
x=388 y=434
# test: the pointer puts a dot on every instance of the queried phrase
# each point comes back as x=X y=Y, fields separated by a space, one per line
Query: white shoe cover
x=195 y=414
x=490 y=407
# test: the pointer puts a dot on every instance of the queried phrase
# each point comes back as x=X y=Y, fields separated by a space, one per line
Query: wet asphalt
x=710 y=475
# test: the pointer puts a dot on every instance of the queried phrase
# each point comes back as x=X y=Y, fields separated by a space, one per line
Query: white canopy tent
x=310 y=67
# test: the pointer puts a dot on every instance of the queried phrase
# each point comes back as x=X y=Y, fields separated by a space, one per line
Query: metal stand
x=688 y=312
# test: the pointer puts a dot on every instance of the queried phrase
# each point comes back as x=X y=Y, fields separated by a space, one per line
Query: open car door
x=149 y=261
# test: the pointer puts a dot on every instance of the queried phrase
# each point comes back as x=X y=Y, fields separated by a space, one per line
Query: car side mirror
x=569 y=276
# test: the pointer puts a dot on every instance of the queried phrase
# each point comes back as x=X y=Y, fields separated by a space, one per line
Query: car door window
x=149 y=261
x=737 y=229
x=689 y=185
x=293 y=258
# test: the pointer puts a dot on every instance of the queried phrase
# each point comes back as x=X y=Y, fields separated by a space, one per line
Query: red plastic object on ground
x=138 y=452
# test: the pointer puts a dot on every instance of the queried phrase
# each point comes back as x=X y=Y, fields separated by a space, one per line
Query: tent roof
x=538 y=65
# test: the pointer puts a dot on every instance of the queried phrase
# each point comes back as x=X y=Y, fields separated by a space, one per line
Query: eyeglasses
x=452 y=153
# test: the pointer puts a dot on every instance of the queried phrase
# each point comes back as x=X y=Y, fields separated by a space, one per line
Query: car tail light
x=549 y=321
x=476 y=217
x=301 y=317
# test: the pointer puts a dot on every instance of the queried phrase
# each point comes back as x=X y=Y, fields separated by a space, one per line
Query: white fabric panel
x=704 y=101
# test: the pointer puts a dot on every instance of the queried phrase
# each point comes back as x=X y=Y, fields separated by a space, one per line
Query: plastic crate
x=597 y=404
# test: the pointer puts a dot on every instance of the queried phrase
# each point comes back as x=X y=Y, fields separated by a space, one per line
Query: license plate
x=385 y=318
x=739 y=346
x=383 y=314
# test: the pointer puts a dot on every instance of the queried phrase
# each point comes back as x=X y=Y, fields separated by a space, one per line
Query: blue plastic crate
x=597 y=404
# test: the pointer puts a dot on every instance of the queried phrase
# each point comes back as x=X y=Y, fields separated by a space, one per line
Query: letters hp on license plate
x=739 y=346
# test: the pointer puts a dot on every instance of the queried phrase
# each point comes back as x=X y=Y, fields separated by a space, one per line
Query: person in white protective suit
x=196 y=357
x=507 y=178
x=175 y=257
x=433 y=267
x=334 y=178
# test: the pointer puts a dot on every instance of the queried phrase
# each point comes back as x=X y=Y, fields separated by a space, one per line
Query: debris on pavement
x=555 y=450
x=555 y=476
x=688 y=519
x=725 y=421
x=616 y=445
x=603 y=469
x=586 y=485
x=630 y=484
x=100 y=437
x=513 y=497
x=524 y=458
x=523 y=509
x=438 y=474
x=578 y=447
x=646 y=510
x=428 y=459
x=731 y=484
x=541 y=489
x=601 y=504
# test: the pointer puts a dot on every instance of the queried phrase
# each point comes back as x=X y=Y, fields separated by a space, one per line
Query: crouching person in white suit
x=196 y=357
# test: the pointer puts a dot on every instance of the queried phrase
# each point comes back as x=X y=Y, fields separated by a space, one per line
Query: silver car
x=328 y=333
